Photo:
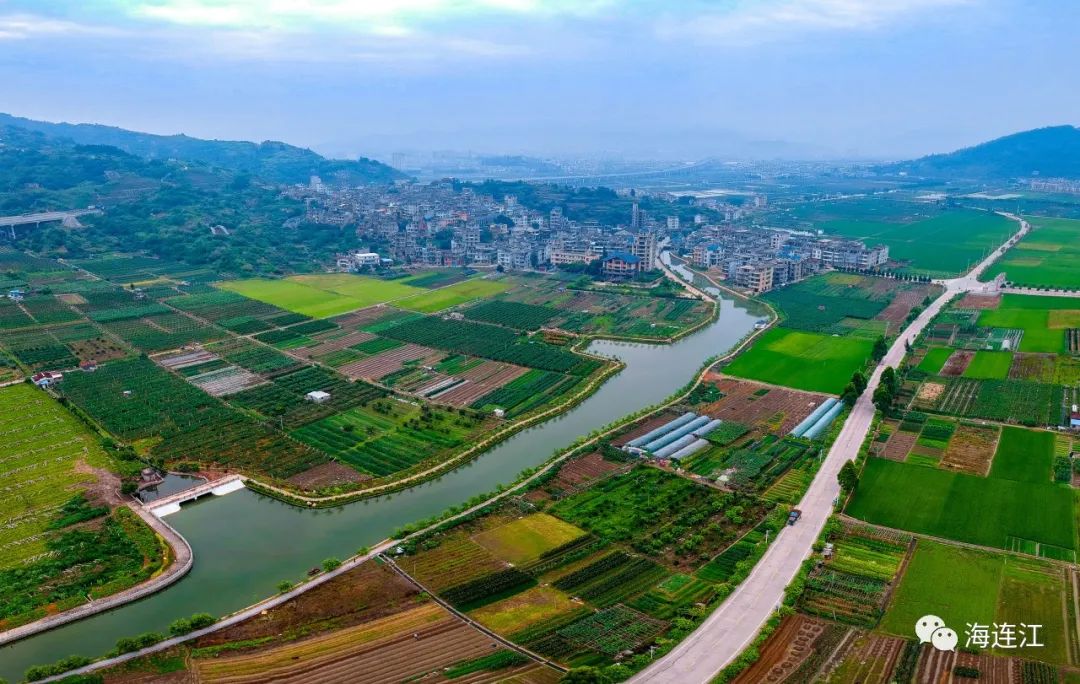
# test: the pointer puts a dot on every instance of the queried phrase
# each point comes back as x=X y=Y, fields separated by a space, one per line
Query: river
x=245 y=544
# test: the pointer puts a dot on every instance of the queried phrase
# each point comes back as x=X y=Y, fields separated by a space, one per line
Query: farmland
x=1046 y=257
x=61 y=541
x=623 y=542
x=368 y=624
x=48 y=456
x=980 y=510
x=136 y=400
x=578 y=308
x=992 y=588
x=320 y=296
x=1044 y=320
x=932 y=240
x=491 y=342
x=806 y=361
x=844 y=304
x=453 y=295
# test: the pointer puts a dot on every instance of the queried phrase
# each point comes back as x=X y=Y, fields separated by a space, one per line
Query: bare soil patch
x=957 y=363
x=971 y=449
x=775 y=409
x=930 y=391
x=366 y=593
x=789 y=647
x=899 y=444
x=585 y=469
x=978 y=301
x=326 y=475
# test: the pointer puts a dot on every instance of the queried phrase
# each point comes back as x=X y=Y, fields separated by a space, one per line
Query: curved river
x=245 y=544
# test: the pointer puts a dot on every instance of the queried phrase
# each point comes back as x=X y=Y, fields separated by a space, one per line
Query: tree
x=331 y=564
x=283 y=586
x=848 y=477
x=889 y=378
x=850 y=395
x=883 y=398
x=858 y=378
x=880 y=348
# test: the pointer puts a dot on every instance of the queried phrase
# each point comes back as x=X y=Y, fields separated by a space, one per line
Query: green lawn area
x=1047 y=256
x=968 y=508
x=459 y=293
x=1024 y=455
x=802 y=360
x=934 y=360
x=947 y=243
x=321 y=295
x=1043 y=320
x=992 y=588
x=989 y=365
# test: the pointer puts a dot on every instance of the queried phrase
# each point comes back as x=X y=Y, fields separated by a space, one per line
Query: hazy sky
x=656 y=78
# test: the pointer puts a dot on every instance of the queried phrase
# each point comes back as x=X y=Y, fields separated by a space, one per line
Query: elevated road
x=735 y=624
x=43 y=217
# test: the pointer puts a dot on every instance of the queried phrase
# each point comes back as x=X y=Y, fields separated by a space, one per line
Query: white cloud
x=755 y=21
x=24 y=26
x=354 y=14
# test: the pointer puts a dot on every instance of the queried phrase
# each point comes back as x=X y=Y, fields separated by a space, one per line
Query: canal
x=245 y=544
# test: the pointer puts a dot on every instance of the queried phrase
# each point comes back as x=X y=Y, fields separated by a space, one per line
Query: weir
x=171 y=504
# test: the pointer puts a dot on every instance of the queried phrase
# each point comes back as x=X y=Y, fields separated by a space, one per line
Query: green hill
x=1052 y=152
x=272 y=161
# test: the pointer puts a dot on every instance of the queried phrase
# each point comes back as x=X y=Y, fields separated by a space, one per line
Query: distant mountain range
x=272 y=161
x=1052 y=152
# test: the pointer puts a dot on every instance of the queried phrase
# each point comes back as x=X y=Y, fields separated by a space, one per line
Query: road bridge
x=37 y=219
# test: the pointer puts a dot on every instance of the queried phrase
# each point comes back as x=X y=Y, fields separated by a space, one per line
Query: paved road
x=735 y=624
x=1040 y=293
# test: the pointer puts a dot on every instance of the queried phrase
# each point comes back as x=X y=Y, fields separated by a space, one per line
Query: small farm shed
x=318 y=396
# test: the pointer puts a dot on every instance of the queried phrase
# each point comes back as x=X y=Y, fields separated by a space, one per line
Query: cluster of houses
x=759 y=259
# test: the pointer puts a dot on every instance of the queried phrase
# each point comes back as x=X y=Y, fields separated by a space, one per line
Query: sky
x=656 y=79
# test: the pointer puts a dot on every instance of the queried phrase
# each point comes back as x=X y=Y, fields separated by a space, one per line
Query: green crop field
x=987 y=511
x=1024 y=455
x=1043 y=320
x=989 y=365
x=935 y=359
x=40 y=446
x=527 y=538
x=1046 y=257
x=802 y=360
x=992 y=588
x=322 y=295
x=458 y=293
x=934 y=240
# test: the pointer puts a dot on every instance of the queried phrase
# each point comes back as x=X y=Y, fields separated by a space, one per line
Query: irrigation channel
x=245 y=544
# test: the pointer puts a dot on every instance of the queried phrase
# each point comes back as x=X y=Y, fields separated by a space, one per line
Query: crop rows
x=284 y=397
x=135 y=399
x=512 y=314
x=521 y=394
x=613 y=630
x=488 y=588
x=490 y=342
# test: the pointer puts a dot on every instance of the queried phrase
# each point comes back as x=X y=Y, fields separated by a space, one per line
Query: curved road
x=735 y=624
